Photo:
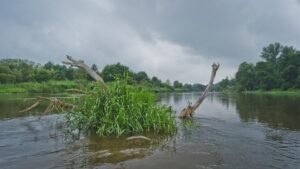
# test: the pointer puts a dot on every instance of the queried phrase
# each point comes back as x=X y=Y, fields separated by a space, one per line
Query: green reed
x=121 y=110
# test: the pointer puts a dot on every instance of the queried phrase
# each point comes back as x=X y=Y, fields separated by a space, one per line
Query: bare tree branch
x=188 y=111
x=82 y=65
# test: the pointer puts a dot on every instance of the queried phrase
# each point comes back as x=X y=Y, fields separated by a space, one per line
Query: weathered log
x=189 y=110
x=82 y=65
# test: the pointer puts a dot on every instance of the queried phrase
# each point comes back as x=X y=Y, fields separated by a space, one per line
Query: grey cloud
x=171 y=39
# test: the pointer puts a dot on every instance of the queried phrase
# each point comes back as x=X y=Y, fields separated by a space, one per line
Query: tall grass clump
x=121 y=110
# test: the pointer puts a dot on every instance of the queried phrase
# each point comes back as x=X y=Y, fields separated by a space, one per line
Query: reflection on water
x=12 y=104
x=242 y=131
x=116 y=150
x=277 y=112
x=41 y=142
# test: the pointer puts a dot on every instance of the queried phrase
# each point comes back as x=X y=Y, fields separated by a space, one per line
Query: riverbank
x=54 y=86
x=34 y=87
x=276 y=92
x=260 y=92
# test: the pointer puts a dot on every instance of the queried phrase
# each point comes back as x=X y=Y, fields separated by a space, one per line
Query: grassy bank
x=276 y=92
x=54 y=86
x=34 y=87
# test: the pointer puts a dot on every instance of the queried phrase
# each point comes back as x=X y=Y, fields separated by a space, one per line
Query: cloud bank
x=172 y=39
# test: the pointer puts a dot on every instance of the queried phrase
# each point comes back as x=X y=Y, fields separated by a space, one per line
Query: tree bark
x=188 y=111
x=82 y=65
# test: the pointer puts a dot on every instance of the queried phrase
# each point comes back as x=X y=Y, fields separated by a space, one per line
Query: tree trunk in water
x=188 y=111
x=82 y=65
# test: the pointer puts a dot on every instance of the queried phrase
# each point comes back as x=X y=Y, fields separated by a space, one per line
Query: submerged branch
x=54 y=104
x=30 y=107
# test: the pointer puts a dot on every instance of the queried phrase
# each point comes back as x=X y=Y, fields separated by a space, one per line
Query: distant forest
x=280 y=69
x=14 y=71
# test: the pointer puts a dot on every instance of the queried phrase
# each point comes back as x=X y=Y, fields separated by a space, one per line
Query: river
x=238 y=131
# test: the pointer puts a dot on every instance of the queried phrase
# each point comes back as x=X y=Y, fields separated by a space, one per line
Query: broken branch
x=188 y=111
x=82 y=65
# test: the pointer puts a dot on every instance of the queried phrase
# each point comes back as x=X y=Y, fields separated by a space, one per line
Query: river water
x=239 y=131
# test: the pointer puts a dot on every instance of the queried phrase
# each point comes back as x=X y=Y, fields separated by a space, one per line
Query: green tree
x=94 y=68
x=49 y=65
x=141 y=76
x=22 y=69
x=156 y=82
x=111 y=72
x=289 y=64
x=289 y=76
x=80 y=74
x=267 y=75
x=177 y=84
x=188 y=87
x=198 y=87
x=42 y=75
x=271 y=52
x=6 y=75
x=297 y=85
x=246 y=77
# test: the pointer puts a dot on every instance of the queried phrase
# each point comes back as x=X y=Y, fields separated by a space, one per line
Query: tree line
x=13 y=71
x=279 y=69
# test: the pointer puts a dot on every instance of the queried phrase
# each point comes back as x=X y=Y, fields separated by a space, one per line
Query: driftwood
x=138 y=137
x=30 y=107
x=188 y=111
x=54 y=103
x=82 y=65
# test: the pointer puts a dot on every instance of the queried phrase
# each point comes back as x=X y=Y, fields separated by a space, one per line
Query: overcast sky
x=172 y=39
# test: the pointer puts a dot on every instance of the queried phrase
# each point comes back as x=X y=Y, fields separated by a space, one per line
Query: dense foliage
x=15 y=71
x=122 y=109
x=280 y=69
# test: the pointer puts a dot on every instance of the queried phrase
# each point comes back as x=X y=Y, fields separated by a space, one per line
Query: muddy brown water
x=241 y=131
